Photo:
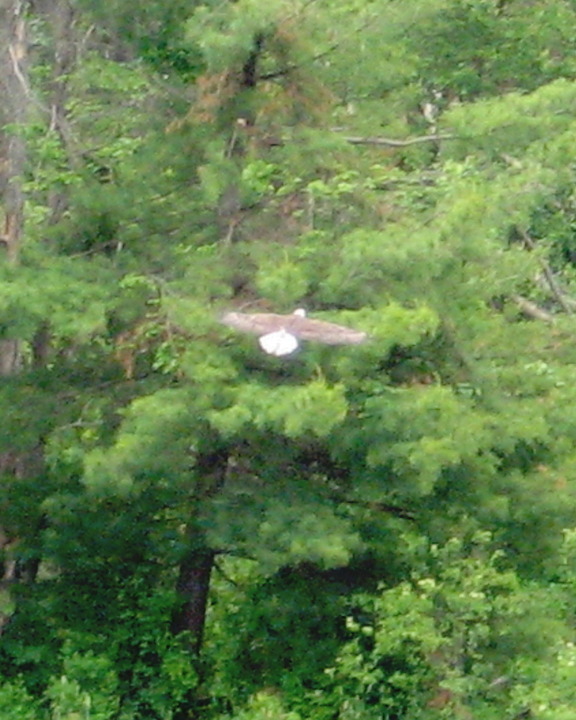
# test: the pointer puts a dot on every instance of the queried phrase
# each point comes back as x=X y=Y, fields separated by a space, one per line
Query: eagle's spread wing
x=257 y=323
x=325 y=332
x=301 y=327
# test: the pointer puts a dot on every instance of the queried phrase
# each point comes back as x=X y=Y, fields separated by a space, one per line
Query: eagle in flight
x=280 y=334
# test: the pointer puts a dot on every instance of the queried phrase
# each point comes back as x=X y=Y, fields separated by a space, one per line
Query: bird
x=280 y=334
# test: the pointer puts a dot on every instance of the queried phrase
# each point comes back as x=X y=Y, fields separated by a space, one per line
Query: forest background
x=193 y=529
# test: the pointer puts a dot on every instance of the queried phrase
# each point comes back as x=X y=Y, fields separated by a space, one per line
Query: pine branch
x=319 y=56
x=297 y=66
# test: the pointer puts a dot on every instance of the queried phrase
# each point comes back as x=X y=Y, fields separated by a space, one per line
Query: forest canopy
x=378 y=524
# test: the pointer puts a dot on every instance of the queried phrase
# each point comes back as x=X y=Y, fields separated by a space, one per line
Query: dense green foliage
x=388 y=530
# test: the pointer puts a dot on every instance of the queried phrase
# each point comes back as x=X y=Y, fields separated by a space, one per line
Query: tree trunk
x=15 y=94
x=190 y=616
x=193 y=587
x=14 y=111
x=62 y=18
x=195 y=570
x=16 y=100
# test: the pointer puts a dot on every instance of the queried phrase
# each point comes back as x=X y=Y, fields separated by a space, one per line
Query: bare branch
x=390 y=142
x=563 y=301
x=17 y=71
x=225 y=575
x=532 y=310
x=378 y=506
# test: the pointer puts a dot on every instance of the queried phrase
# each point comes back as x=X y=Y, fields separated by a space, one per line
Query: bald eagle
x=280 y=334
